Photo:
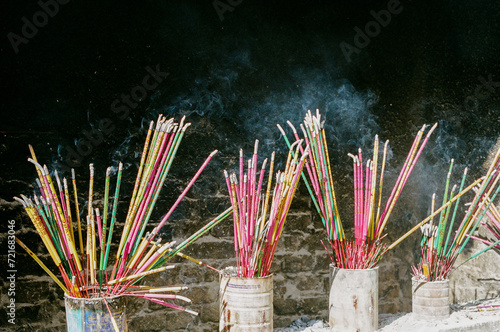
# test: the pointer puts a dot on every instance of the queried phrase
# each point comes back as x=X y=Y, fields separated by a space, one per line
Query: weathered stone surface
x=478 y=278
x=209 y=311
x=285 y=306
x=297 y=263
x=148 y=322
x=313 y=305
x=203 y=294
x=298 y=221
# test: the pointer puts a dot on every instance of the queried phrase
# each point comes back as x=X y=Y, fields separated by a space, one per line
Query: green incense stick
x=113 y=213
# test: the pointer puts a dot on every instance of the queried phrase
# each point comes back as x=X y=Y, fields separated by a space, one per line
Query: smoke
x=236 y=88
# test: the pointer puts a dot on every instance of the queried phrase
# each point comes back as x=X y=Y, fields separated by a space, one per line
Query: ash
x=304 y=324
x=475 y=316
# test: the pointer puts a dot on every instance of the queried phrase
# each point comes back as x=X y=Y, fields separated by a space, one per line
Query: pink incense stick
x=169 y=213
x=368 y=187
x=241 y=171
x=356 y=212
x=419 y=152
x=359 y=166
x=173 y=306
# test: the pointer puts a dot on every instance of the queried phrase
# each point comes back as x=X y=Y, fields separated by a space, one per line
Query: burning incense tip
x=20 y=201
x=91 y=167
x=294 y=144
x=194 y=313
x=291 y=126
x=158 y=124
x=281 y=129
x=264 y=164
x=120 y=166
x=37 y=165
x=73 y=174
x=256 y=147
x=25 y=199
x=432 y=129
x=58 y=180
x=214 y=153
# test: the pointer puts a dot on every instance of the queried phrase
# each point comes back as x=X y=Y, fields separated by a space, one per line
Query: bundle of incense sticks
x=369 y=219
x=87 y=273
x=439 y=250
x=259 y=217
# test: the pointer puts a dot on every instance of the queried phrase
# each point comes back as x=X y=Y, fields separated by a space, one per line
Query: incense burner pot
x=353 y=301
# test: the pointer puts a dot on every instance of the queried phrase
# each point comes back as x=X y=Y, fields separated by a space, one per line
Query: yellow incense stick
x=43 y=235
x=43 y=266
x=381 y=183
x=337 y=214
x=77 y=212
x=371 y=217
x=466 y=229
x=268 y=191
x=55 y=197
x=425 y=267
x=150 y=289
x=70 y=219
x=142 y=274
x=154 y=246
x=141 y=166
x=417 y=226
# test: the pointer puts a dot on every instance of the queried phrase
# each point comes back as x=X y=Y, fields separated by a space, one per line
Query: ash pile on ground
x=304 y=324
x=480 y=316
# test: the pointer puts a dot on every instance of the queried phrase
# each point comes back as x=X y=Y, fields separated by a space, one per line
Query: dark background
x=264 y=63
